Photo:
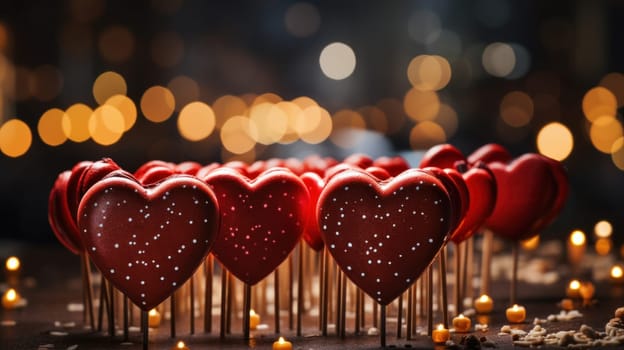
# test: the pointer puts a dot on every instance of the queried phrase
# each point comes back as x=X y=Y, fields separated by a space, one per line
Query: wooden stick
x=276 y=302
x=458 y=282
x=442 y=258
x=192 y=300
x=208 y=265
x=358 y=311
x=246 y=309
x=145 y=329
x=224 y=285
x=514 y=272
x=173 y=315
x=300 y=289
x=343 y=305
x=231 y=293
x=102 y=303
x=325 y=292
x=291 y=294
x=486 y=261
x=469 y=268
x=464 y=271
x=126 y=328
x=382 y=330
x=111 y=310
x=339 y=287
x=375 y=314
x=88 y=287
x=430 y=300
x=400 y=317
x=410 y=313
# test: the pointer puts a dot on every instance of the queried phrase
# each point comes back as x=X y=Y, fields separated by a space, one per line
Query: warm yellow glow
x=617 y=272
x=429 y=72
x=196 y=121
x=603 y=246
x=603 y=229
x=268 y=97
x=577 y=238
x=108 y=84
x=15 y=138
x=499 y=59
x=157 y=104
x=11 y=295
x=440 y=327
x=531 y=243
x=426 y=134
x=304 y=102
x=271 y=122
x=516 y=109
x=302 y=19
x=614 y=82
x=337 y=61
x=184 y=89
x=317 y=125
x=555 y=141
x=617 y=153
x=599 y=102
x=238 y=135
x=447 y=119
x=75 y=122
x=153 y=312
x=106 y=125
x=180 y=345
x=228 y=106
x=421 y=105
x=375 y=118
x=604 y=131
x=50 y=127
x=12 y=263
x=126 y=107
x=343 y=121
x=116 y=44
x=293 y=113
x=167 y=49
x=574 y=285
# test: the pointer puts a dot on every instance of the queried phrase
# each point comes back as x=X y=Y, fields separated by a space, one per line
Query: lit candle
x=567 y=304
x=576 y=246
x=617 y=274
x=587 y=291
x=461 y=323
x=484 y=304
x=153 y=318
x=531 y=243
x=180 y=346
x=254 y=319
x=282 y=344
x=440 y=335
x=10 y=299
x=515 y=314
x=573 y=289
x=12 y=266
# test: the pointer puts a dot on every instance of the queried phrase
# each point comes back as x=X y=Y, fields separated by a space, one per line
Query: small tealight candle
x=515 y=314
x=254 y=319
x=573 y=289
x=567 y=304
x=587 y=291
x=531 y=243
x=484 y=304
x=461 y=323
x=282 y=344
x=617 y=274
x=180 y=346
x=440 y=335
x=10 y=299
x=576 y=246
x=153 y=318
x=12 y=266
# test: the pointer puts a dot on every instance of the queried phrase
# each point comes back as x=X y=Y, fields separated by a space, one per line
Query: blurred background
x=211 y=81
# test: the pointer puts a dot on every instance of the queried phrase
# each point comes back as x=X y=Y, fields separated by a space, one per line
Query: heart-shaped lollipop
x=383 y=234
x=148 y=240
x=261 y=220
x=60 y=217
x=312 y=235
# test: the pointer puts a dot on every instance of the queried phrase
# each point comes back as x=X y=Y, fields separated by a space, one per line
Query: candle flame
x=153 y=312
x=461 y=316
x=484 y=298
x=617 y=272
x=281 y=340
x=180 y=345
x=575 y=284
x=12 y=263
x=252 y=312
x=577 y=238
x=11 y=294
x=440 y=327
x=515 y=307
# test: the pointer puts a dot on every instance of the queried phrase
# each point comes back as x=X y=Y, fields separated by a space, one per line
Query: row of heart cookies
x=382 y=221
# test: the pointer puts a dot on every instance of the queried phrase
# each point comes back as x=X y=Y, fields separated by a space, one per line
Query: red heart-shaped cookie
x=490 y=153
x=148 y=240
x=60 y=217
x=312 y=235
x=383 y=234
x=261 y=220
x=441 y=156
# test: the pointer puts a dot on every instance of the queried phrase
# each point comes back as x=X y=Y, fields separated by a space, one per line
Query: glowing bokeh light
x=108 y=84
x=184 y=89
x=238 y=135
x=116 y=44
x=106 y=125
x=346 y=119
x=599 y=102
x=157 y=104
x=337 y=61
x=15 y=138
x=447 y=119
x=126 y=106
x=616 y=272
x=293 y=113
x=603 y=133
x=555 y=141
x=617 y=153
x=603 y=229
x=516 y=109
x=228 y=106
x=50 y=127
x=577 y=238
x=75 y=122
x=267 y=97
x=271 y=122
x=375 y=118
x=614 y=82
x=530 y=243
x=429 y=72
x=421 y=105
x=498 y=59
x=315 y=125
x=196 y=121
x=302 y=19
x=425 y=135
x=603 y=246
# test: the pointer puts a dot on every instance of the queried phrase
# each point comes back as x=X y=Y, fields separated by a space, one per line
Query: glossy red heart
x=261 y=220
x=441 y=156
x=562 y=184
x=458 y=193
x=148 y=240
x=60 y=217
x=527 y=192
x=393 y=165
x=312 y=234
x=383 y=234
x=490 y=153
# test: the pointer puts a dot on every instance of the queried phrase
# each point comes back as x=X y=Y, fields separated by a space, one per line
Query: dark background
x=243 y=47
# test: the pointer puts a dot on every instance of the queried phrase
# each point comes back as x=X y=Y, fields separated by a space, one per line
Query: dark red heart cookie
x=261 y=220
x=312 y=234
x=148 y=240
x=383 y=234
x=441 y=156
x=393 y=165
x=490 y=153
x=60 y=217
